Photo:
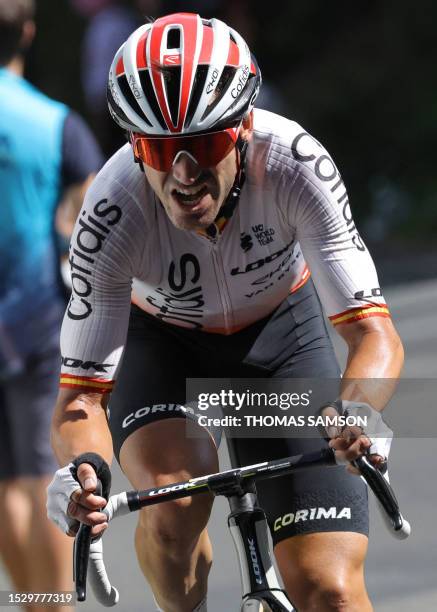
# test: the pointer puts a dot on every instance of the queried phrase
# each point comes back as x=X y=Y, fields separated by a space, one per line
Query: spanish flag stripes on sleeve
x=86 y=383
x=362 y=312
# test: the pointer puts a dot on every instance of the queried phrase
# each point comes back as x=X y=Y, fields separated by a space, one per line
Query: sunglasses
x=207 y=149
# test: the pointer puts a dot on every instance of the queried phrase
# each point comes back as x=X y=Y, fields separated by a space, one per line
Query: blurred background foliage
x=360 y=76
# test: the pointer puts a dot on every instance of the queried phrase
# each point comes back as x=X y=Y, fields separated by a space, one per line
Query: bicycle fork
x=249 y=530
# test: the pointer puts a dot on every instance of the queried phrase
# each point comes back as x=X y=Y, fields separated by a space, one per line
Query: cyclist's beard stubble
x=194 y=204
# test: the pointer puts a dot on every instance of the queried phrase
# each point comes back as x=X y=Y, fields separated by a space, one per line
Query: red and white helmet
x=182 y=74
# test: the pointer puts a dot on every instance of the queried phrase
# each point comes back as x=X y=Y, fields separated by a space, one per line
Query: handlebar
x=81 y=554
x=230 y=482
x=387 y=502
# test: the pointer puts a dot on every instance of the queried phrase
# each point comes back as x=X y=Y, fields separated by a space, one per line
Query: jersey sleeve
x=103 y=258
x=317 y=206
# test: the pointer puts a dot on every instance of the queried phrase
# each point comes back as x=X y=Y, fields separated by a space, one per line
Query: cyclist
x=219 y=221
x=44 y=148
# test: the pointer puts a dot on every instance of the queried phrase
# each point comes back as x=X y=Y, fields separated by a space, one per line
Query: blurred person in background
x=242 y=19
x=109 y=24
x=44 y=149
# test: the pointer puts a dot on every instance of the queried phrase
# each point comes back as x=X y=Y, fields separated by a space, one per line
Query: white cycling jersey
x=293 y=218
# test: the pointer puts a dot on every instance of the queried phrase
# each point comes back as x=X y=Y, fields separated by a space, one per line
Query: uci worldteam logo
x=264 y=236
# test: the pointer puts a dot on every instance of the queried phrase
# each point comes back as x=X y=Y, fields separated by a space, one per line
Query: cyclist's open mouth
x=189 y=198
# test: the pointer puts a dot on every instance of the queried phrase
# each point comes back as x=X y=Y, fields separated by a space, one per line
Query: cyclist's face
x=190 y=194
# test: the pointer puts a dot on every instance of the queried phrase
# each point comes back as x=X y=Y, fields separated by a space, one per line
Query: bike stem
x=250 y=533
x=248 y=526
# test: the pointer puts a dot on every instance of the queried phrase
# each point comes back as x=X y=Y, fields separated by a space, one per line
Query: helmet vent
x=172 y=83
x=149 y=94
x=174 y=38
x=127 y=93
x=222 y=86
x=112 y=105
x=198 y=85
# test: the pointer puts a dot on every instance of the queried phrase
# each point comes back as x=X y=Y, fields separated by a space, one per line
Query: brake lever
x=384 y=494
x=81 y=553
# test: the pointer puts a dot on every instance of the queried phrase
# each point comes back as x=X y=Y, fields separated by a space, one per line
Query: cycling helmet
x=182 y=74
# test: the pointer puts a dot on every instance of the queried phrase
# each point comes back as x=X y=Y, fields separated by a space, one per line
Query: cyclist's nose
x=185 y=168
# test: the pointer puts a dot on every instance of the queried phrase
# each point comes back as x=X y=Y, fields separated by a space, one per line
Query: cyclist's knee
x=325 y=572
x=176 y=524
x=328 y=594
x=327 y=590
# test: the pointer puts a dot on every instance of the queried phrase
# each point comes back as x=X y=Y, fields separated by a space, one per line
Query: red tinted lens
x=207 y=149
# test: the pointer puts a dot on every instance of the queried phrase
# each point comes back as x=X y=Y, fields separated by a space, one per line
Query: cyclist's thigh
x=295 y=344
x=150 y=391
x=29 y=402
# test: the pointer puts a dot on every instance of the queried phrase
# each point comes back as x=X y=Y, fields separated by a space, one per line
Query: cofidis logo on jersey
x=181 y=304
x=94 y=229
x=304 y=149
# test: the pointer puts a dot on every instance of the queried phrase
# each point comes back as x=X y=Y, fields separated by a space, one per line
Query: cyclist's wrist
x=362 y=417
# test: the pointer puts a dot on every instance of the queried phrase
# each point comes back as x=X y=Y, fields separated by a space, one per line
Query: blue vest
x=31 y=127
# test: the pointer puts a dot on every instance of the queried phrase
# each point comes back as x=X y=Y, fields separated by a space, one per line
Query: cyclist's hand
x=351 y=441
x=70 y=501
x=84 y=505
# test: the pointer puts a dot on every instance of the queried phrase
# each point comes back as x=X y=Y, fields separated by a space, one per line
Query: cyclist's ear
x=247 y=127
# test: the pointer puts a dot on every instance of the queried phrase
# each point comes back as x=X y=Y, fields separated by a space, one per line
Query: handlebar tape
x=101 y=468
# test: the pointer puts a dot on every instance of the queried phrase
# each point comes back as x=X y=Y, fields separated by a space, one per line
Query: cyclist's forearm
x=79 y=425
x=374 y=365
x=375 y=357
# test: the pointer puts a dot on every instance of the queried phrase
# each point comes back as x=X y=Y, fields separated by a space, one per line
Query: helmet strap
x=235 y=192
x=227 y=209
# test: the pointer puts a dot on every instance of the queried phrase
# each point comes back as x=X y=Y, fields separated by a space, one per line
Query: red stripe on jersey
x=104 y=381
x=303 y=279
x=233 y=55
x=120 y=67
x=141 y=52
x=364 y=307
x=207 y=44
x=363 y=312
x=85 y=388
